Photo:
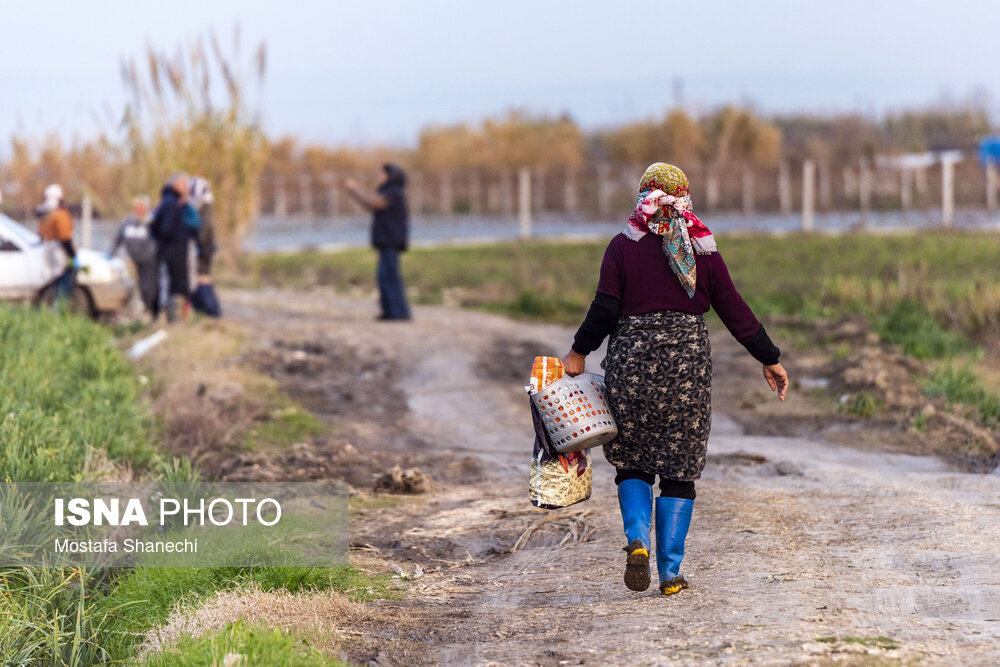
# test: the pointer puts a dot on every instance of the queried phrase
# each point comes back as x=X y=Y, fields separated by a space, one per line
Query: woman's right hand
x=574 y=363
x=777 y=379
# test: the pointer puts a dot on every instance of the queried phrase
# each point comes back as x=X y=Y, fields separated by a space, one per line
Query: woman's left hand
x=777 y=379
x=574 y=363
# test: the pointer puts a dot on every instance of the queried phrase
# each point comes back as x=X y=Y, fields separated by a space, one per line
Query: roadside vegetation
x=929 y=292
x=935 y=295
x=72 y=409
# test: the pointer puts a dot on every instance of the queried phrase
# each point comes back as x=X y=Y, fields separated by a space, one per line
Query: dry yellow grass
x=321 y=617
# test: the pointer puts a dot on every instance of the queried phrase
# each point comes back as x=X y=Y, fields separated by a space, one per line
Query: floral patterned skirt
x=658 y=372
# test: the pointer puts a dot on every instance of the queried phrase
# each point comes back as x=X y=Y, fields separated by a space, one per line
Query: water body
x=304 y=232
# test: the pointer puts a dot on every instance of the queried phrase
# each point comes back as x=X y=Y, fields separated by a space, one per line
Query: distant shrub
x=962 y=385
x=863 y=405
x=909 y=325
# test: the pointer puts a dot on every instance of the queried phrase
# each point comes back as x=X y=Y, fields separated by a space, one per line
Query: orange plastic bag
x=545 y=371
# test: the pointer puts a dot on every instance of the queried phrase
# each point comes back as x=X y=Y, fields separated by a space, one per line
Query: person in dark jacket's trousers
x=173 y=237
x=390 y=236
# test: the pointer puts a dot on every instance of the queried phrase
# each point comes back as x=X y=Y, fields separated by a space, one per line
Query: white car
x=28 y=273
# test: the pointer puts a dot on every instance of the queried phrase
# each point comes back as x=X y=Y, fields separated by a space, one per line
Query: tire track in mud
x=794 y=540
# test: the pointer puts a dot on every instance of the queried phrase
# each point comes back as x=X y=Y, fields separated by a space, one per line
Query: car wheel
x=79 y=302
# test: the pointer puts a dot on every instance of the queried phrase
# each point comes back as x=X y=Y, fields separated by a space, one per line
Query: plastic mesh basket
x=575 y=412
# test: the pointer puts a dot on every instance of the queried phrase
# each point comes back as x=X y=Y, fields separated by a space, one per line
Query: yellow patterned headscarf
x=666 y=177
x=664 y=208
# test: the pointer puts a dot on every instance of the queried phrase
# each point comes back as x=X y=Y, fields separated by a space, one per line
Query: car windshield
x=17 y=232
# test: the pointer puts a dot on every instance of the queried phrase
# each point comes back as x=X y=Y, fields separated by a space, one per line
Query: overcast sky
x=376 y=72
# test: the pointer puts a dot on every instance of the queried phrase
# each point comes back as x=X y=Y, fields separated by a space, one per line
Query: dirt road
x=800 y=551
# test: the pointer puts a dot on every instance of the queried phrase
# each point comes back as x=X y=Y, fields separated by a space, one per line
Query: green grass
x=286 y=426
x=909 y=325
x=935 y=295
x=948 y=284
x=256 y=644
x=145 y=597
x=536 y=280
x=65 y=394
x=863 y=405
x=886 y=643
x=962 y=385
x=69 y=411
x=48 y=616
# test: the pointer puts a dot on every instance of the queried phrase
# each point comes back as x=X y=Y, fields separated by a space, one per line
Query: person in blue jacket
x=390 y=236
x=173 y=227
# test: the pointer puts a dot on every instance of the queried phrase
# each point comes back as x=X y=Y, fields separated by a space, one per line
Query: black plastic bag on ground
x=204 y=300
x=556 y=480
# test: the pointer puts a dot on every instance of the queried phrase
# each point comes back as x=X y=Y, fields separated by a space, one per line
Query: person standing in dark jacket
x=173 y=234
x=134 y=234
x=390 y=236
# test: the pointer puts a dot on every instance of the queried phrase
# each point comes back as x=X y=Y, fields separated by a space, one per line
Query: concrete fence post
x=86 y=222
x=713 y=192
x=603 y=189
x=280 y=200
x=992 y=181
x=865 y=190
x=475 y=191
x=784 y=188
x=747 y=193
x=415 y=191
x=808 y=195
x=947 y=192
x=305 y=195
x=332 y=194
x=447 y=200
x=569 y=191
x=524 y=202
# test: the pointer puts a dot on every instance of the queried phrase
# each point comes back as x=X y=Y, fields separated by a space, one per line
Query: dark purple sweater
x=638 y=275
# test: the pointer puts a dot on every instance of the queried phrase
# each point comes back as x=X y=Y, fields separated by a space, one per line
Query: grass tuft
x=240 y=644
x=864 y=405
x=962 y=385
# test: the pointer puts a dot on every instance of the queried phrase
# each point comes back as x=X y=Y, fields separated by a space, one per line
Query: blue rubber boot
x=636 y=500
x=673 y=518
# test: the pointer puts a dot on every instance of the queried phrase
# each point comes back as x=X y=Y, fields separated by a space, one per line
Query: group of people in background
x=157 y=241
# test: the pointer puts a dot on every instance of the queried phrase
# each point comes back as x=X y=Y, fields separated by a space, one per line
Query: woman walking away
x=390 y=236
x=658 y=277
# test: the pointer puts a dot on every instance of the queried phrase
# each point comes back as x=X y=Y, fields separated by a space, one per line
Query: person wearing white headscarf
x=56 y=230
x=201 y=199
